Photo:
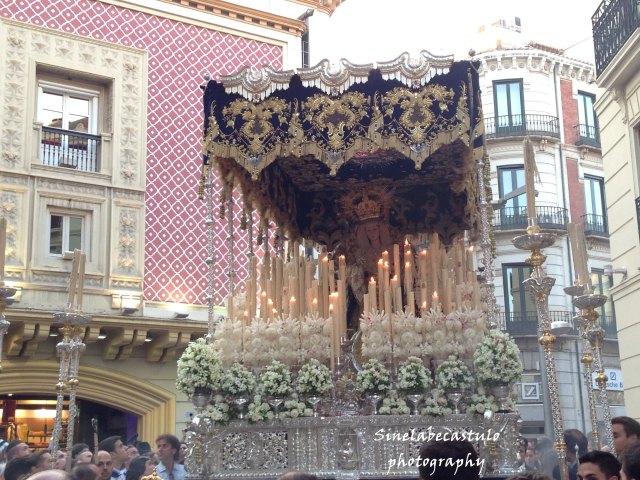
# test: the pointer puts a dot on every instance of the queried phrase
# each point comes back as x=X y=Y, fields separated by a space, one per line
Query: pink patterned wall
x=179 y=54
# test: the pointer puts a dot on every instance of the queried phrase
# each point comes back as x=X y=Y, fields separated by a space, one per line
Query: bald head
x=50 y=475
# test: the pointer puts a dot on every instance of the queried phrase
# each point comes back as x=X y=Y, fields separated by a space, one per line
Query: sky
x=377 y=30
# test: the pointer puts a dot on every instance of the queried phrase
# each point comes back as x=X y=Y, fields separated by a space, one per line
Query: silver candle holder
x=594 y=333
x=72 y=345
x=540 y=284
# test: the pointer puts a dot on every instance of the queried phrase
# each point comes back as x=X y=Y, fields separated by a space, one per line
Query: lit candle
x=342 y=268
x=373 y=301
x=385 y=256
x=367 y=303
x=380 y=282
x=293 y=308
x=435 y=301
x=264 y=311
x=423 y=308
x=470 y=259
x=411 y=303
x=396 y=260
x=270 y=308
x=314 y=305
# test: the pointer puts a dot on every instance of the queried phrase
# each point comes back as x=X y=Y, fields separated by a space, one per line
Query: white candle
x=435 y=301
x=373 y=301
x=3 y=247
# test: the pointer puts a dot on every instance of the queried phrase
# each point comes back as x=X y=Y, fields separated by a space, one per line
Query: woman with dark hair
x=139 y=467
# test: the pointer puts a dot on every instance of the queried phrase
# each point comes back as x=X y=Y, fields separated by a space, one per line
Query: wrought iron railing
x=595 y=225
x=70 y=149
x=613 y=23
x=588 y=135
x=526 y=323
x=521 y=125
x=515 y=218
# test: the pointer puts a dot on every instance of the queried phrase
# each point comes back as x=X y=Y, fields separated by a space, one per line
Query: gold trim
x=155 y=406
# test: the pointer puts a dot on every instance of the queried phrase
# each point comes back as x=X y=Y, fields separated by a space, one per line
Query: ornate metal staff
x=73 y=328
x=595 y=334
x=587 y=361
x=540 y=284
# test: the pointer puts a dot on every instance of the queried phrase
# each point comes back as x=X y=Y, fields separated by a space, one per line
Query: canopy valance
x=314 y=149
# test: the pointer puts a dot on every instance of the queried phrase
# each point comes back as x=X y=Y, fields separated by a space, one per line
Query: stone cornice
x=123 y=333
x=251 y=16
x=536 y=60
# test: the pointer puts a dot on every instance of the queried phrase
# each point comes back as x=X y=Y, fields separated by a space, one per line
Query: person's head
x=18 y=468
x=576 y=443
x=143 y=448
x=85 y=471
x=81 y=453
x=61 y=460
x=625 y=430
x=430 y=452
x=531 y=457
x=183 y=452
x=297 y=476
x=50 y=474
x=3 y=448
x=168 y=447
x=41 y=461
x=522 y=448
x=139 y=467
x=17 y=448
x=104 y=464
x=115 y=447
x=598 y=465
x=529 y=476
x=630 y=460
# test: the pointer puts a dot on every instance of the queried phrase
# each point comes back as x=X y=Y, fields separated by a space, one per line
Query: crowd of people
x=440 y=460
x=111 y=460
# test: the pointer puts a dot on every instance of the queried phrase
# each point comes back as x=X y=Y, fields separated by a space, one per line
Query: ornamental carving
x=127 y=234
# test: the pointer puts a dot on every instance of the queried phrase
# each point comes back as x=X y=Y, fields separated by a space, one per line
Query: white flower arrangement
x=258 y=410
x=218 y=412
x=497 y=359
x=376 y=335
x=407 y=331
x=393 y=404
x=275 y=380
x=480 y=402
x=198 y=368
x=294 y=408
x=277 y=339
x=227 y=339
x=316 y=337
x=373 y=377
x=413 y=376
x=436 y=405
x=237 y=381
x=453 y=374
x=314 y=378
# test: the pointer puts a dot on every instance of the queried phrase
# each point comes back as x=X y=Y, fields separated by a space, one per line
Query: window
x=595 y=211
x=66 y=233
x=587 y=126
x=514 y=212
x=601 y=285
x=519 y=304
x=69 y=118
x=509 y=106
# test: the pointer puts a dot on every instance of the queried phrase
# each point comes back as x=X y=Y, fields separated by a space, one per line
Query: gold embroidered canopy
x=298 y=143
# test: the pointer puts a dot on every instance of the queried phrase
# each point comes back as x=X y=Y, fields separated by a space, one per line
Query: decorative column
x=539 y=284
x=595 y=334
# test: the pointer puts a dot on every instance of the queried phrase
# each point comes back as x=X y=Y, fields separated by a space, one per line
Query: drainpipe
x=569 y=260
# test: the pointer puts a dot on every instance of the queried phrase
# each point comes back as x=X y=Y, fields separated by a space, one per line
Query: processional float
x=384 y=171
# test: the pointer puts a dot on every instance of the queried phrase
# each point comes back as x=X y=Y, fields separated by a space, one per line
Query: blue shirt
x=178 y=472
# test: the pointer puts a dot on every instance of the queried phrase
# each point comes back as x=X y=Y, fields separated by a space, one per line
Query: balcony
x=515 y=218
x=608 y=324
x=595 y=225
x=69 y=149
x=526 y=323
x=613 y=23
x=588 y=136
x=521 y=126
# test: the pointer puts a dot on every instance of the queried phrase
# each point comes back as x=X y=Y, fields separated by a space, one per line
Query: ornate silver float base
x=374 y=446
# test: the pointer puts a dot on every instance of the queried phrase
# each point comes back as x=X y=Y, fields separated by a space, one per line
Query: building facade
x=616 y=33
x=535 y=91
x=100 y=150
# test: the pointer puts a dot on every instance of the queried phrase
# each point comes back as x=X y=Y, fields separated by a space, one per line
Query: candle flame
x=470 y=249
x=435 y=294
x=315 y=301
x=423 y=252
x=373 y=281
x=293 y=299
